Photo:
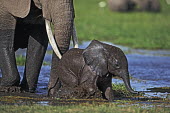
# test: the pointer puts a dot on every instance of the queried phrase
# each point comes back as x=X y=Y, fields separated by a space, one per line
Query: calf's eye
x=117 y=66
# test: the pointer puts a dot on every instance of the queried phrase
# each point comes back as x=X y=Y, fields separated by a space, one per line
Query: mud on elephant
x=26 y=24
x=86 y=73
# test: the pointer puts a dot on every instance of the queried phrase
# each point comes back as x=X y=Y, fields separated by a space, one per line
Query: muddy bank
x=33 y=98
x=37 y=99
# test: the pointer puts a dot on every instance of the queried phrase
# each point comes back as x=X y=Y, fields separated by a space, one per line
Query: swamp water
x=150 y=72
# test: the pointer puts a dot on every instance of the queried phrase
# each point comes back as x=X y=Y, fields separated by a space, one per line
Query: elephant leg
x=88 y=81
x=10 y=75
x=53 y=74
x=54 y=85
x=63 y=28
x=105 y=85
x=62 y=18
x=63 y=35
x=37 y=45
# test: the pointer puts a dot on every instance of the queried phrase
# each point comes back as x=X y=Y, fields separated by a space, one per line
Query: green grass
x=120 y=91
x=87 y=108
x=20 y=59
x=134 y=29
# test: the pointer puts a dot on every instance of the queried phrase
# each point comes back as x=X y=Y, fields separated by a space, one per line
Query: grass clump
x=120 y=91
x=134 y=29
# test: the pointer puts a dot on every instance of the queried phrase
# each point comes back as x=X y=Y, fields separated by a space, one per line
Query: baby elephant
x=87 y=73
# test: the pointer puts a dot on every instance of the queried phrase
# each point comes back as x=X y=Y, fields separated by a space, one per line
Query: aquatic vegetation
x=120 y=91
x=36 y=103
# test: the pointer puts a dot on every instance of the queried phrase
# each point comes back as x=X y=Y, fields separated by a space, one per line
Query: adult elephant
x=147 y=5
x=118 y=5
x=22 y=25
x=129 y=5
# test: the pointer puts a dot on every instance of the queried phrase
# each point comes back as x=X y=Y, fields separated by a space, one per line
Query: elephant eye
x=117 y=66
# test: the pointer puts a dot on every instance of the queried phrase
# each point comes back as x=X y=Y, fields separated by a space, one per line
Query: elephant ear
x=95 y=56
x=18 y=8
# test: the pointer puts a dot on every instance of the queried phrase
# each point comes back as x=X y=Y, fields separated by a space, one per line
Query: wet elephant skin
x=89 y=72
x=22 y=25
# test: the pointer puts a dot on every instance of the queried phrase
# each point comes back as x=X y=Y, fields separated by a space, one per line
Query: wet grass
x=20 y=104
x=125 y=103
x=83 y=108
x=134 y=29
x=120 y=91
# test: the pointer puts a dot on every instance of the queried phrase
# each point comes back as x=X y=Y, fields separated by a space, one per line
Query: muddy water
x=149 y=69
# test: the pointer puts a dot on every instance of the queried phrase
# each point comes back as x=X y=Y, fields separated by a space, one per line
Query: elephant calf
x=87 y=73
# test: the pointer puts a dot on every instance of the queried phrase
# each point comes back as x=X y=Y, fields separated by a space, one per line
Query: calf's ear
x=95 y=56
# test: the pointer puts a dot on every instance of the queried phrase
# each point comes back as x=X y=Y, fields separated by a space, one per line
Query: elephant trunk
x=126 y=80
x=62 y=34
x=62 y=17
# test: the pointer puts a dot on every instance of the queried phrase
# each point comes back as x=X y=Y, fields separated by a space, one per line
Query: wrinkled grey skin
x=90 y=70
x=130 y=5
x=22 y=25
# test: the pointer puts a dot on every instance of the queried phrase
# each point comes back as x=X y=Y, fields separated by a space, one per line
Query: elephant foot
x=26 y=89
x=10 y=89
x=109 y=94
x=6 y=82
x=14 y=88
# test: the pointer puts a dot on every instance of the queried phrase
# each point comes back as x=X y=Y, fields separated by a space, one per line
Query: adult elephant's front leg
x=10 y=75
x=62 y=18
x=37 y=46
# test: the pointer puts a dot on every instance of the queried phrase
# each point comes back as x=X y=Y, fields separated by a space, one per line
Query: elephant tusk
x=51 y=39
x=74 y=37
